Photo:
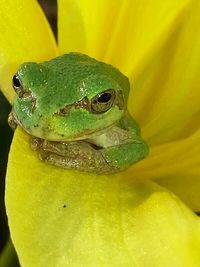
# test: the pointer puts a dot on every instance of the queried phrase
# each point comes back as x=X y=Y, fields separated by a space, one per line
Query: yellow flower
x=67 y=218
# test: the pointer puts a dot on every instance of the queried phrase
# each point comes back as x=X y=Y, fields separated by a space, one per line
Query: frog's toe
x=36 y=143
x=44 y=155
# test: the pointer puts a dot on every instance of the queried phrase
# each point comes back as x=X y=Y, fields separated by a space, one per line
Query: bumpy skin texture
x=75 y=107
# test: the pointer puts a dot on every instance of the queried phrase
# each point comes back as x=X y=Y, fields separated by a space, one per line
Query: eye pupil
x=16 y=82
x=103 y=102
x=105 y=97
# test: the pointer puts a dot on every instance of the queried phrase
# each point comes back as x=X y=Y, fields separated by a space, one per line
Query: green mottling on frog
x=75 y=109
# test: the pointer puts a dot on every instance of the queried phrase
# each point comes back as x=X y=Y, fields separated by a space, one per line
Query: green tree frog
x=75 y=109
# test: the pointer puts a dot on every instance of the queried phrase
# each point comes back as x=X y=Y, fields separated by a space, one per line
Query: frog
x=74 y=109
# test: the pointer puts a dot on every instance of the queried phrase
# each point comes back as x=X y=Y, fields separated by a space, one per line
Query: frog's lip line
x=83 y=137
x=79 y=138
x=91 y=135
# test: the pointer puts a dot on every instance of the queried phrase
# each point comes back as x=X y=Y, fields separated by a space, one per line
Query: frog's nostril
x=22 y=92
x=27 y=94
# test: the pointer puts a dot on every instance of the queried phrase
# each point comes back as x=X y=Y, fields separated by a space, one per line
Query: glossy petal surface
x=66 y=217
x=124 y=33
x=71 y=218
x=164 y=73
x=167 y=95
x=155 y=44
x=174 y=165
x=25 y=36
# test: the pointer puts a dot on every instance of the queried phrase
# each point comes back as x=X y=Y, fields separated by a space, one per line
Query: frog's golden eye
x=103 y=101
x=16 y=84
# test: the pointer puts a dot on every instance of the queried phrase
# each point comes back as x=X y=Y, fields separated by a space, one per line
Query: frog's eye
x=16 y=84
x=103 y=101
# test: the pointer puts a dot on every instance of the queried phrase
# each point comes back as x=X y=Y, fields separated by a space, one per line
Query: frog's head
x=69 y=98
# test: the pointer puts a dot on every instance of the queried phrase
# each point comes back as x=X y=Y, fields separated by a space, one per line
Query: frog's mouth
x=90 y=135
x=87 y=136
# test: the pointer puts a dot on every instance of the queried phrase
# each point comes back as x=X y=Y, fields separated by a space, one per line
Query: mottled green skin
x=64 y=81
x=61 y=83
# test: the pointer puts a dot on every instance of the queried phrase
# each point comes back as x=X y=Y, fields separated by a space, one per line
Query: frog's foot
x=36 y=143
x=78 y=155
x=12 y=122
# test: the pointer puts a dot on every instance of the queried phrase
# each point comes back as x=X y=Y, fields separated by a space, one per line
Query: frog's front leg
x=88 y=157
x=78 y=155
x=124 y=155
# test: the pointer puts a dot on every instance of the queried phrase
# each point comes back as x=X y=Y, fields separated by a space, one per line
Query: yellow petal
x=167 y=96
x=154 y=43
x=176 y=166
x=68 y=218
x=8 y=255
x=25 y=36
x=185 y=187
x=124 y=33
